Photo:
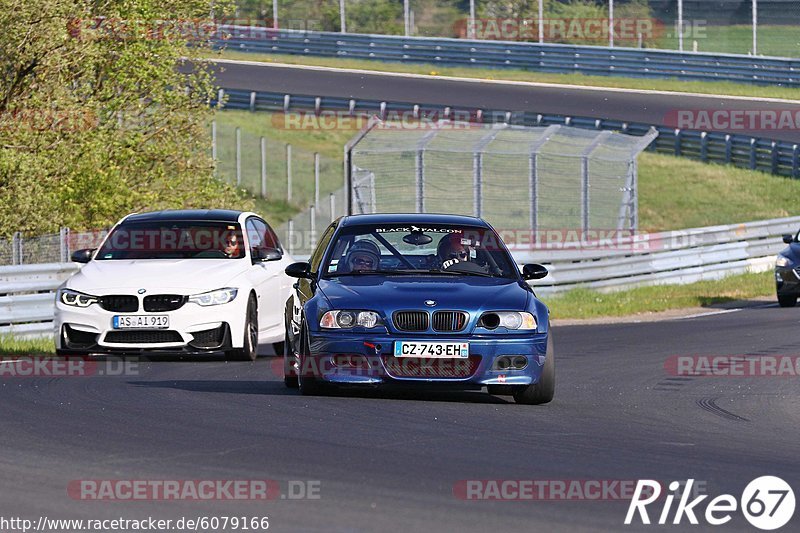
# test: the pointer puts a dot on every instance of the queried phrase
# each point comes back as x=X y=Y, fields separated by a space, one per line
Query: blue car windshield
x=437 y=249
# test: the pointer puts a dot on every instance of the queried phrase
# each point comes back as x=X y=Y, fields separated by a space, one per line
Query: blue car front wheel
x=543 y=390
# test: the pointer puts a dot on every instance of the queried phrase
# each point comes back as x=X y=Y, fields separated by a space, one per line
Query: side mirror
x=533 y=271
x=299 y=270
x=82 y=256
x=788 y=239
x=260 y=255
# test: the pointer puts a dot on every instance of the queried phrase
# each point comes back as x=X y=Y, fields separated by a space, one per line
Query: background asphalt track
x=599 y=103
x=388 y=461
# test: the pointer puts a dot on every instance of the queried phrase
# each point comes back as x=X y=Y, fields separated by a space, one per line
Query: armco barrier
x=558 y=58
x=27 y=294
x=685 y=256
x=767 y=155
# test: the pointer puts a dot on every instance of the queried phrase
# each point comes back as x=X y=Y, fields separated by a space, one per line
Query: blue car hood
x=469 y=293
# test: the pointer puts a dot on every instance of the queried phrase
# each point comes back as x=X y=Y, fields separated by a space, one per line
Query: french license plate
x=443 y=350
x=141 y=321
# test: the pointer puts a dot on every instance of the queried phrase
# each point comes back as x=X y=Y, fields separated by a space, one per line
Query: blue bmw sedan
x=417 y=299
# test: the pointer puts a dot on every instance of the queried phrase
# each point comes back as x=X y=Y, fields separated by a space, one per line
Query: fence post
x=419 y=173
x=263 y=167
x=312 y=237
x=342 y=17
x=238 y=157
x=214 y=142
x=316 y=178
x=477 y=178
x=16 y=248
x=290 y=235
x=288 y=172
x=333 y=206
x=755 y=27
x=63 y=244
x=533 y=185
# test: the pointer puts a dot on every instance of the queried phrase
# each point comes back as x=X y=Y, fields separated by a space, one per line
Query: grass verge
x=586 y=303
x=701 y=87
x=12 y=346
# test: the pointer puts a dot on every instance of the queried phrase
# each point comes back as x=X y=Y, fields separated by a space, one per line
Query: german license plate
x=141 y=321
x=443 y=350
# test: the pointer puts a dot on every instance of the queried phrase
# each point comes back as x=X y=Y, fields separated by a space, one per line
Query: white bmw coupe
x=189 y=281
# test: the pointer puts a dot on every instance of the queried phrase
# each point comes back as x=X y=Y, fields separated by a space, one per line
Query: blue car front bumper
x=368 y=359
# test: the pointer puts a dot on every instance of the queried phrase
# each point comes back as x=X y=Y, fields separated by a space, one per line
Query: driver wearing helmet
x=452 y=250
x=363 y=256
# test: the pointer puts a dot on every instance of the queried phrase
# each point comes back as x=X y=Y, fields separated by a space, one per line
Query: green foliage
x=94 y=118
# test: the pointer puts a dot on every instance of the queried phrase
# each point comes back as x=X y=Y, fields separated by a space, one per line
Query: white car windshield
x=174 y=240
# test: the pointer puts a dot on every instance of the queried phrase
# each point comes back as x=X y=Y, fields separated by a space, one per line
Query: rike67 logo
x=767 y=503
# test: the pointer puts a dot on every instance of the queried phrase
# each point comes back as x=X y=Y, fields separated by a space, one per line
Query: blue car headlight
x=217 y=297
x=346 y=319
x=782 y=261
x=514 y=320
x=76 y=299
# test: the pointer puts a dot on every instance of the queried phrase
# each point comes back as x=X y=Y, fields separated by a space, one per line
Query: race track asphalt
x=389 y=461
x=571 y=101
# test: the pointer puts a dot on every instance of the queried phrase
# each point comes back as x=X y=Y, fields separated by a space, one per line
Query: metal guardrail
x=557 y=58
x=767 y=155
x=685 y=256
x=27 y=297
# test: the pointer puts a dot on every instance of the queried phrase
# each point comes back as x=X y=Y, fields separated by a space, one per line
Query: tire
x=307 y=383
x=544 y=390
x=249 y=350
x=289 y=376
x=787 y=300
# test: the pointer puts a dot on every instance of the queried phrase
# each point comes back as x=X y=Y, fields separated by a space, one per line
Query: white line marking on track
x=710 y=313
x=503 y=82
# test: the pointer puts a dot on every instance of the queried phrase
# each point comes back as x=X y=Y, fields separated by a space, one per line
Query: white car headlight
x=342 y=319
x=520 y=320
x=783 y=261
x=217 y=297
x=76 y=299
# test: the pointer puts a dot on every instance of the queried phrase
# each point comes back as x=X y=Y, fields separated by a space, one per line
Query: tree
x=96 y=120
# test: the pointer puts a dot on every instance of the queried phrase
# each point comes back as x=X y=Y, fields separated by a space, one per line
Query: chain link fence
x=764 y=27
x=48 y=248
x=528 y=179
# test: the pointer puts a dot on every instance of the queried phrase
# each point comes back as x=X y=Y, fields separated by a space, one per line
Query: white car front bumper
x=192 y=327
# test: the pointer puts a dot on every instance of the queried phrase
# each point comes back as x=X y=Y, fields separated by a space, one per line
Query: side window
x=261 y=235
x=319 y=251
x=255 y=234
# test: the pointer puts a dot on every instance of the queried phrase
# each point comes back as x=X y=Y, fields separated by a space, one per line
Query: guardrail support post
x=263 y=167
x=795 y=162
x=704 y=147
x=252 y=100
x=728 y=148
x=774 y=155
x=753 y=154
x=677 y=142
